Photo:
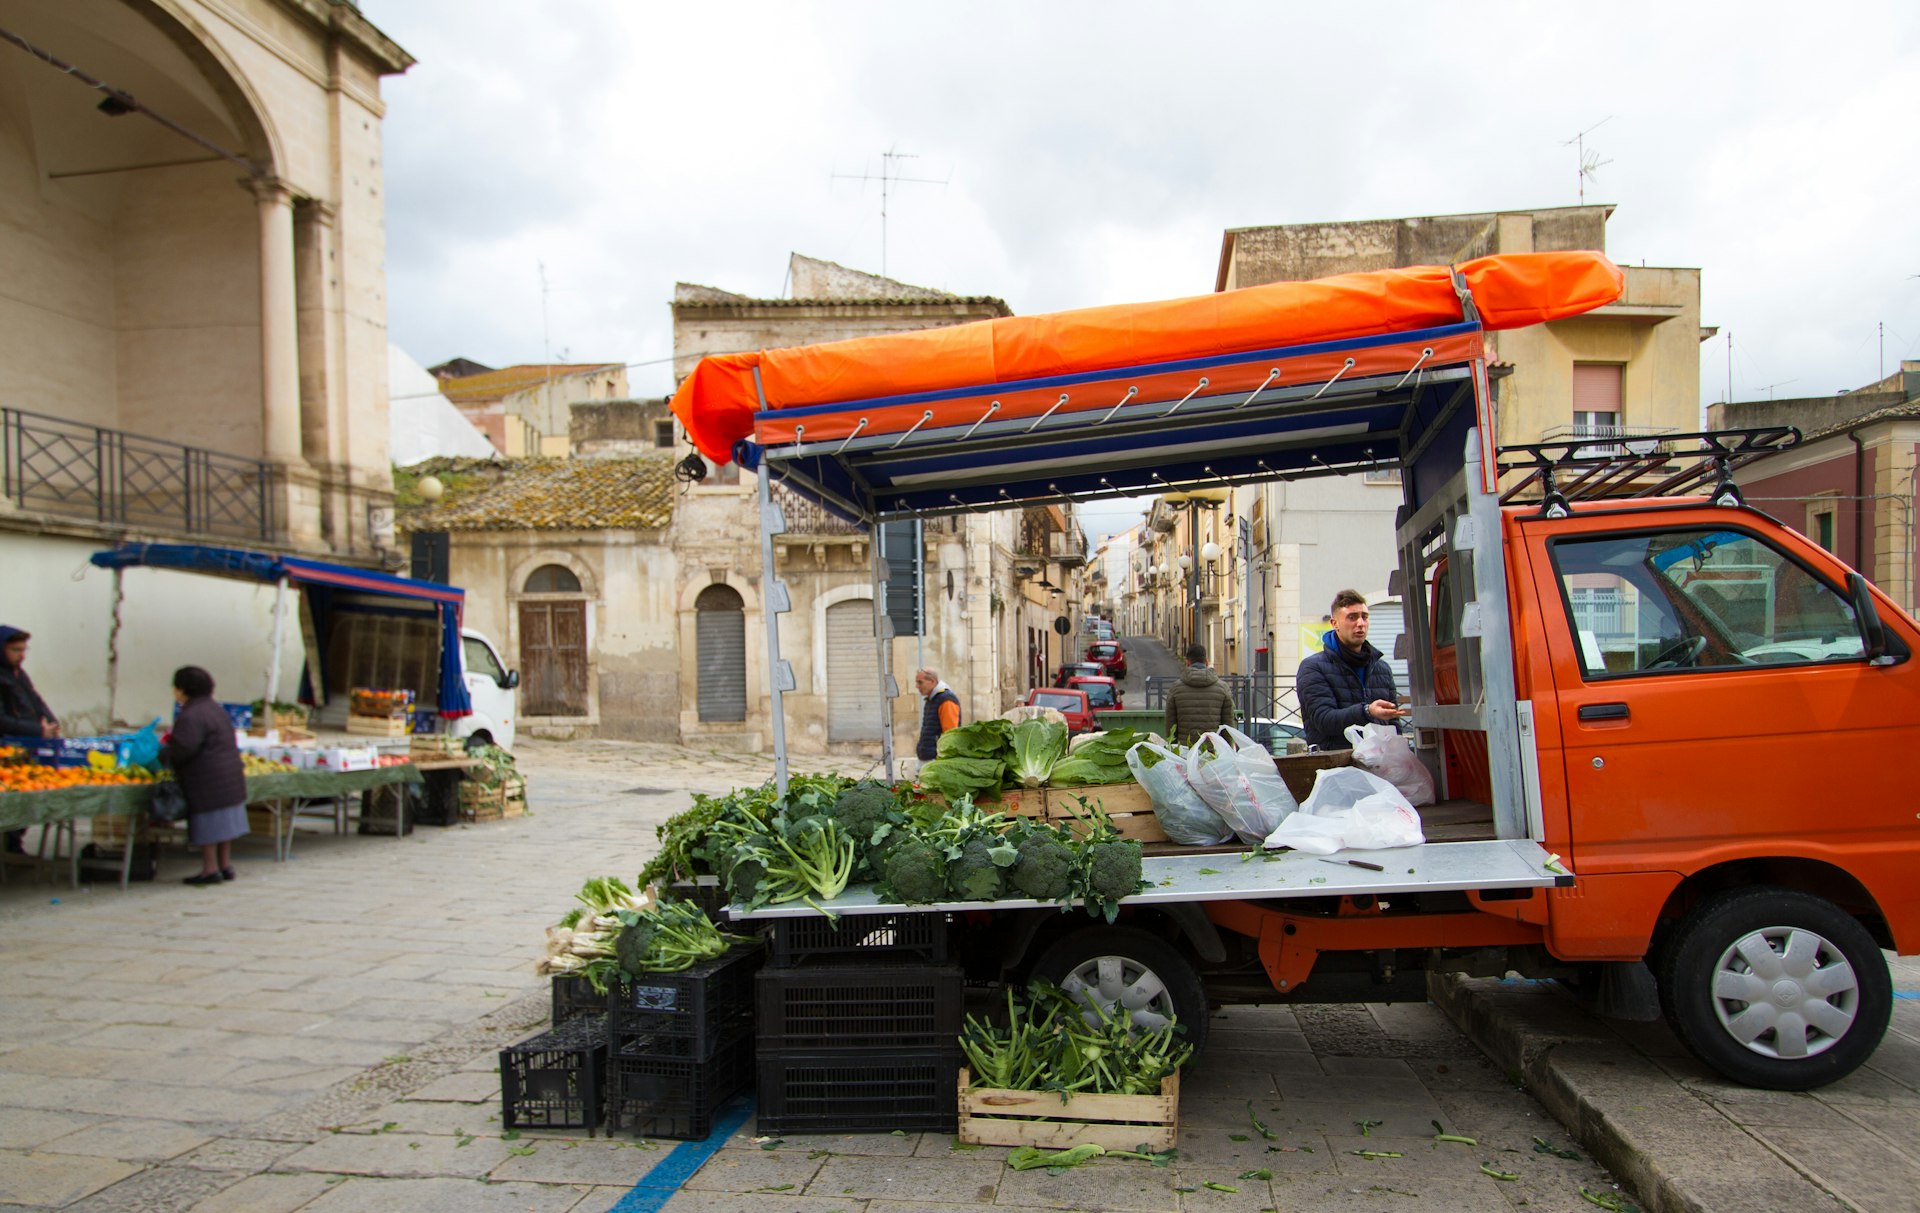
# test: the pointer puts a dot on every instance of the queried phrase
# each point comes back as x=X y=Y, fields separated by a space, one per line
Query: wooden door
x=553 y=658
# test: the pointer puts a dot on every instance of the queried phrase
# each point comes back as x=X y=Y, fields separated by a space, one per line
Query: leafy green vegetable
x=1047 y=864
x=1036 y=745
x=672 y=936
x=961 y=776
x=975 y=875
x=914 y=872
x=981 y=739
x=1026 y=1158
x=1055 y=1042
x=1096 y=758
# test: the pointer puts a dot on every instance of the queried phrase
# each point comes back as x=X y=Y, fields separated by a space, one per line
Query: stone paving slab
x=303 y=1039
x=1687 y=1139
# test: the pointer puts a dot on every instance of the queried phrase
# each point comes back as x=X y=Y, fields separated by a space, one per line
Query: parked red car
x=1074 y=669
x=1069 y=703
x=1109 y=654
x=1103 y=693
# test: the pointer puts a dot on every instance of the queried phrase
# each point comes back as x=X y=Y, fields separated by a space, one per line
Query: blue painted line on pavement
x=659 y=1184
x=1906 y=993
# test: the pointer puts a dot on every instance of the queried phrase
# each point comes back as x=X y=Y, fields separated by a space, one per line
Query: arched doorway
x=720 y=653
x=553 y=644
x=853 y=712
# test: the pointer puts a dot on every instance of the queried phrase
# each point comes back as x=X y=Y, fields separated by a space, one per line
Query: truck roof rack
x=1569 y=471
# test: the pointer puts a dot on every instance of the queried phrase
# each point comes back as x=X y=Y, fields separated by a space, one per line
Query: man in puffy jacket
x=1197 y=703
x=1348 y=682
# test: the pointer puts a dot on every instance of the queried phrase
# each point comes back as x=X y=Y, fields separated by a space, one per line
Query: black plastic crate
x=702 y=1005
x=858 y=1090
x=574 y=996
x=556 y=1080
x=898 y=1006
x=859 y=937
x=651 y=1095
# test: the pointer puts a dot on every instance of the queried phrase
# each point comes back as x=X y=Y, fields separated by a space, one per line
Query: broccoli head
x=746 y=867
x=866 y=811
x=975 y=876
x=1045 y=868
x=1113 y=869
x=631 y=946
x=914 y=872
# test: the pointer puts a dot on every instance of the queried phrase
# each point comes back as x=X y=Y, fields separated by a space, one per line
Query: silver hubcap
x=1116 y=981
x=1785 y=992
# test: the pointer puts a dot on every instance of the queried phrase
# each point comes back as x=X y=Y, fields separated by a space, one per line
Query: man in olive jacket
x=1198 y=703
x=1348 y=682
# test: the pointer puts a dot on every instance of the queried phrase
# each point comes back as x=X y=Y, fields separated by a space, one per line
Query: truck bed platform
x=1513 y=863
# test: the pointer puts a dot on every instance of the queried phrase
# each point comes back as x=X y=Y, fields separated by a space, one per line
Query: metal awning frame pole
x=883 y=649
x=774 y=603
x=279 y=643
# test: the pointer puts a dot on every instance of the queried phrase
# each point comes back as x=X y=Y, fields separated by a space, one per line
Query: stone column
x=279 y=325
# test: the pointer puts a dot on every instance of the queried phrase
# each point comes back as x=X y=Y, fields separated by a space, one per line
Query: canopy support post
x=883 y=646
x=774 y=603
x=279 y=643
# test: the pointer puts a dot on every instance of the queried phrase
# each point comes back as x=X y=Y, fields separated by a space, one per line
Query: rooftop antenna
x=888 y=177
x=1590 y=162
x=1768 y=388
x=546 y=332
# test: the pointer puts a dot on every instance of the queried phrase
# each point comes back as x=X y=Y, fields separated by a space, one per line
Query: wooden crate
x=379 y=726
x=1128 y=804
x=1014 y=802
x=992 y=1116
x=513 y=796
x=479 y=802
x=1300 y=770
x=436 y=745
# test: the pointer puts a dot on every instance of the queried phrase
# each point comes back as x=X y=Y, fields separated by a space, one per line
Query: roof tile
x=563 y=495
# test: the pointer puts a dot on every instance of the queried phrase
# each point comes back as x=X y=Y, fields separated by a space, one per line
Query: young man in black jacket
x=1348 y=682
x=22 y=712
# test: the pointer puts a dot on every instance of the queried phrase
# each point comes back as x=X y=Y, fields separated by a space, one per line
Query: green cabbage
x=981 y=739
x=1037 y=745
x=1096 y=758
x=957 y=777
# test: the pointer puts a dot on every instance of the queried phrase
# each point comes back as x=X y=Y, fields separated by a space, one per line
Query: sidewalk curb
x=1671 y=1148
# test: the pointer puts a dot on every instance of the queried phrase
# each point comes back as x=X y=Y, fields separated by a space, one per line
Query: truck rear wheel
x=1775 y=988
x=1127 y=967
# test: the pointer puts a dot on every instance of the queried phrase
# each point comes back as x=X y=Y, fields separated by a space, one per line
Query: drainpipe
x=1859 y=501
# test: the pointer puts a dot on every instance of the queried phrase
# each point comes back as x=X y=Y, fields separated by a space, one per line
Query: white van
x=490 y=684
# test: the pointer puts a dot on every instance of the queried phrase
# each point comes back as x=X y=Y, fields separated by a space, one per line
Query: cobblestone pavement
x=321 y=1035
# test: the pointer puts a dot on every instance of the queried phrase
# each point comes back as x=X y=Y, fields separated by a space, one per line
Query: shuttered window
x=1596 y=387
x=720 y=654
x=853 y=680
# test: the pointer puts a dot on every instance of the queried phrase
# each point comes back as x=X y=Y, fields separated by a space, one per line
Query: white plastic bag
x=1381 y=749
x=1185 y=818
x=1235 y=775
x=1350 y=809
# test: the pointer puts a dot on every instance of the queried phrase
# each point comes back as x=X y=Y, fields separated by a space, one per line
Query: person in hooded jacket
x=1348 y=682
x=22 y=712
x=1197 y=703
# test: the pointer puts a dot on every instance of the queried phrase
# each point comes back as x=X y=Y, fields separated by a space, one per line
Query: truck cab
x=491 y=685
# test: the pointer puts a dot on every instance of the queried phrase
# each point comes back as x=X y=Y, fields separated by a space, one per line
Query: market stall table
x=280 y=793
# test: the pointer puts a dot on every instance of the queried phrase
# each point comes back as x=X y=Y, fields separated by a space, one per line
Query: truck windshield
x=480 y=659
x=1692 y=598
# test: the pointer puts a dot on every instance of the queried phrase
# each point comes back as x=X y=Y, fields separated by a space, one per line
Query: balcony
x=807 y=521
x=1611 y=439
x=112 y=478
x=1067 y=547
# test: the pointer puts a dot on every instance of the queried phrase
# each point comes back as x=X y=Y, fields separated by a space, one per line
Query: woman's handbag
x=169 y=805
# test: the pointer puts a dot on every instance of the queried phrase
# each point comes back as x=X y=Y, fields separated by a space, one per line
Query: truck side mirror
x=511 y=681
x=1873 y=633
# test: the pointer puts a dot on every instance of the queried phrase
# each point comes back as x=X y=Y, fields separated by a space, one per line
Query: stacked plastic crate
x=679 y=1045
x=858 y=1022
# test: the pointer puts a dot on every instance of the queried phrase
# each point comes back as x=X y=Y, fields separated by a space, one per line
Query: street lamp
x=1184 y=561
x=1209 y=551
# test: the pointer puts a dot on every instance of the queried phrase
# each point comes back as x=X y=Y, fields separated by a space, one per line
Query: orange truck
x=1667 y=730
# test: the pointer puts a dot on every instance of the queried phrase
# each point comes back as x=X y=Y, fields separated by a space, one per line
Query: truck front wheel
x=1775 y=988
x=1127 y=967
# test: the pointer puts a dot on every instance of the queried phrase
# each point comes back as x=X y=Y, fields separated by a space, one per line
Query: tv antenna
x=888 y=177
x=1590 y=162
x=546 y=330
x=1768 y=387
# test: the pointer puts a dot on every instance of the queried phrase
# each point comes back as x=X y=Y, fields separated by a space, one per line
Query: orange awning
x=718 y=401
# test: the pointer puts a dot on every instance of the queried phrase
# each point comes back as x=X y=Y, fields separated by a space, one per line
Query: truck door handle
x=1604 y=711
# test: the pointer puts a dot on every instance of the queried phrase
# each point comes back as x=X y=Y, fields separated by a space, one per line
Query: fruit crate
x=690 y=1013
x=651 y=1095
x=991 y=1116
x=859 y=937
x=858 y=1090
x=556 y=1080
x=876 y=1006
x=436 y=745
x=574 y=997
x=478 y=802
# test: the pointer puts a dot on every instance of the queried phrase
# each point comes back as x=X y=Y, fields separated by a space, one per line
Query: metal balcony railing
x=806 y=518
x=1612 y=439
x=53 y=466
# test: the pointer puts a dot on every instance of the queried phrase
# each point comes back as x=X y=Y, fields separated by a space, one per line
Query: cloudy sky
x=1090 y=153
